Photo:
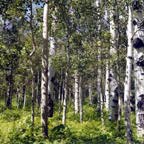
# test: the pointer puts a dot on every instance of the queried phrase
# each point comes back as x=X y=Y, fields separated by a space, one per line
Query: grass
x=16 y=128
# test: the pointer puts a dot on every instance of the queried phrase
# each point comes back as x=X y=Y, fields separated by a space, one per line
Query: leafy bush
x=60 y=132
x=2 y=108
x=9 y=116
x=90 y=131
x=23 y=132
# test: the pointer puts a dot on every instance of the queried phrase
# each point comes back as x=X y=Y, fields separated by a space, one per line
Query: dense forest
x=72 y=71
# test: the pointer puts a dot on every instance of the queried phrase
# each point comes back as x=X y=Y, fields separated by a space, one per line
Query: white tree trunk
x=99 y=71
x=51 y=71
x=33 y=98
x=90 y=93
x=80 y=99
x=65 y=99
x=52 y=51
x=76 y=92
x=112 y=78
x=127 y=85
x=66 y=81
x=107 y=88
x=100 y=96
x=138 y=45
x=44 y=78
x=24 y=95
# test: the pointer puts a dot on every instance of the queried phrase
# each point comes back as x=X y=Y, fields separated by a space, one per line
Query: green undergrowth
x=16 y=128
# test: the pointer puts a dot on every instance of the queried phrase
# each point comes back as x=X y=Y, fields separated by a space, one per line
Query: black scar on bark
x=134 y=22
x=140 y=103
x=132 y=103
x=132 y=109
x=116 y=116
x=136 y=5
x=116 y=91
x=138 y=43
x=141 y=96
x=110 y=75
x=140 y=61
x=50 y=107
x=132 y=100
x=130 y=57
x=115 y=100
x=142 y=73
x=109 y=79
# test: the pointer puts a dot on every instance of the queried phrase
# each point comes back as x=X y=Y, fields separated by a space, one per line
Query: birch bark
x=127 y=86
x=138 y=45
x=112 y=77
x=76 y=93
x=44 y=78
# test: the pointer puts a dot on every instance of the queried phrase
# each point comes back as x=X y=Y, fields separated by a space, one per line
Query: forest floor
x=16 y=128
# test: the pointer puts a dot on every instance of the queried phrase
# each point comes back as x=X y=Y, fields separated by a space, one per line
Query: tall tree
x=44 y=79
x=127 y=85
x=67 y=49
x=138 y=45
x=80 y=99
x=107 y=86
x=112 y=76
x=76 y=92
x=32 y=63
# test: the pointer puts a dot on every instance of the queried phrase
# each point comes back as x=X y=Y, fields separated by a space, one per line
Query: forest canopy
x=72 y=71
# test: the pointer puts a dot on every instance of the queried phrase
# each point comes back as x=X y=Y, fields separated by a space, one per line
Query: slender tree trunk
x=99 y=71
x=112 y=78
x=66 y=80
x=24 y=95
x=32 y=68
x=107 y=88
x=127 y=85
x=44 y=78
x=62 y=90
x=60 y=97
x=33 y=98
x=80 y=99
x=18 y=97
x=51 y=71
x=39 y=88
x=76 y=92
x=51 y=76
x=100 y=96
x=65 y=99
x=90 y=93
x=107 y=84
x=138 y=45
x=10 y=88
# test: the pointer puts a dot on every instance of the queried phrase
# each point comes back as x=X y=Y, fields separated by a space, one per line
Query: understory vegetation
x=16 y=128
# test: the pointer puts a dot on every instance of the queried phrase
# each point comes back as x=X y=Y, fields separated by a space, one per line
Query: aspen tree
x=127 y=85
x=112 y=77
x=138 y=45
x=44 y=78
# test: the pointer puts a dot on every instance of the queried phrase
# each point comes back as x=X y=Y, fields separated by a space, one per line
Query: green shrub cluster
x=16 y=128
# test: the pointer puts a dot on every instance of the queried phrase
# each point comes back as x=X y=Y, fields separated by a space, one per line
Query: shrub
x=9 y=116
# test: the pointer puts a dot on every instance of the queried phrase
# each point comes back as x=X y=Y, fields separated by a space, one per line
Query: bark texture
x=127 y=86
x=44 y=78
x=112 y=77
x=80 y=99
x=138 y=45
x=76 y=92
